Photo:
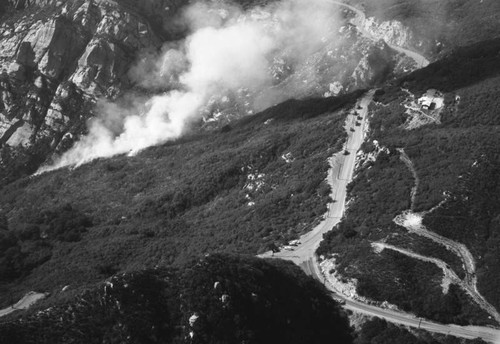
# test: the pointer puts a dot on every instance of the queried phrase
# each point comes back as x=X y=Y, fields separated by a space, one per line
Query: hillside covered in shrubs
x=457 y=162
x=255 y=183
x=217 y=299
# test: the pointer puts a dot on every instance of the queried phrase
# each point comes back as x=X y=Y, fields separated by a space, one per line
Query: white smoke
x=230 y=51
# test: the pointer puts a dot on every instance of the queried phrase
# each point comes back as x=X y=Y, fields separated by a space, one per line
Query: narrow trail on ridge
x=407 y=161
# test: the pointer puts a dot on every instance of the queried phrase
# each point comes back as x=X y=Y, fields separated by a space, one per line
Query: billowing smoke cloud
x=261 y=55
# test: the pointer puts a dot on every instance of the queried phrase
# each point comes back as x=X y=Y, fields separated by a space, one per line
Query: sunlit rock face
x=391 y=31
x=58 y=57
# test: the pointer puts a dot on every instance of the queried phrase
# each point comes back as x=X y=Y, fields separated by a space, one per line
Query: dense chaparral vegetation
x=255 y=183
x=217 y=299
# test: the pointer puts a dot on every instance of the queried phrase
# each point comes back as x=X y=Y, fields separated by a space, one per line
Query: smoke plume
x=257 y=57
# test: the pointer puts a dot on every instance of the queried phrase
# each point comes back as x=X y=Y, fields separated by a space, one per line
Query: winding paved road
x=340 y=174
x=360 y=20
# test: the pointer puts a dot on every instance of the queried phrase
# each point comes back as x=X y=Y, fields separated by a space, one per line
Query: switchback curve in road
x=360 y=20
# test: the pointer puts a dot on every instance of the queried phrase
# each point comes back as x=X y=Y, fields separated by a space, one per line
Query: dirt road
x=413 y=224
x=24 y=303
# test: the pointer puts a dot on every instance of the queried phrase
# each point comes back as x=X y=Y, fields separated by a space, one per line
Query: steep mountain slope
x=218 y=299
x=257 y=182
x=61 y=59
x=251 y=183
x=452 y=152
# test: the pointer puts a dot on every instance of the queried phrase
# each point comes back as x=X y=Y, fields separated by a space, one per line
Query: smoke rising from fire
x=230 y=51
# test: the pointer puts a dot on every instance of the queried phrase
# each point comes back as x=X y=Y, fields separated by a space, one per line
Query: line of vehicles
x=291 y=245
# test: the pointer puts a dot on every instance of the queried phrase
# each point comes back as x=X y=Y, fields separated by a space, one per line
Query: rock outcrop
x=58 y=57
x=391 y=31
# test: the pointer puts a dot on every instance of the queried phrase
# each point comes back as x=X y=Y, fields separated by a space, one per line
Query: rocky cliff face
x=58 y=57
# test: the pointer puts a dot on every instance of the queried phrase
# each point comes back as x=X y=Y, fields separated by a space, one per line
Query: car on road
x=337 y=298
